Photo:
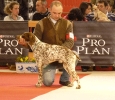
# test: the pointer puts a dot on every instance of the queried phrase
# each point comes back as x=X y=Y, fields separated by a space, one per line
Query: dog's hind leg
x=73 y=75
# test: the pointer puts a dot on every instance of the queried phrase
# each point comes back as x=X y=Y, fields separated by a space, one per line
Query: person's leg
x=49 y=75
x=64 y=78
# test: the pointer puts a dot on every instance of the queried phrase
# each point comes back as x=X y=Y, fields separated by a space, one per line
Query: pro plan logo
x=93 y=36
x=7 y=36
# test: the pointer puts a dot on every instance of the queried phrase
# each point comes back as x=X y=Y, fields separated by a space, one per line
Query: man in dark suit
x=41 y=11
x=24 y=9
x=2 y=5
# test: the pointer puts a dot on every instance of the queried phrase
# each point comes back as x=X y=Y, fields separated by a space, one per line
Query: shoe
x=61 y=70
x=84 y=70
x=64 y=83
x=90 y=68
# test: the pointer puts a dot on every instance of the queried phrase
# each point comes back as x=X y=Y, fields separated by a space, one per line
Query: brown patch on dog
x=28 y=36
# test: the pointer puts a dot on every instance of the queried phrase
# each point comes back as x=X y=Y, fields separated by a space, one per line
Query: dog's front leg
x=40 y=80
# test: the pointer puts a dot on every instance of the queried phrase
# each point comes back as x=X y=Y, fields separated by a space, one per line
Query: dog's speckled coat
x=45 y=53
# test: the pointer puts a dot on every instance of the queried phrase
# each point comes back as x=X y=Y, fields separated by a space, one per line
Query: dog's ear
x=32 y=38
x=29 y=37
x=18 y=37
x=26 y=35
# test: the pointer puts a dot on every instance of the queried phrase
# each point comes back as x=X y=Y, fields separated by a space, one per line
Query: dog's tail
x=77 y=55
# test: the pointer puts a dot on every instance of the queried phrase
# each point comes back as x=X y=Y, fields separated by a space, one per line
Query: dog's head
x=95 y=9
x=99 y=15
x=28 y=36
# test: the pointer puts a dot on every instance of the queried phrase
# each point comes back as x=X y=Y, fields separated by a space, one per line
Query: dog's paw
x=78 y=87
x=38 y=85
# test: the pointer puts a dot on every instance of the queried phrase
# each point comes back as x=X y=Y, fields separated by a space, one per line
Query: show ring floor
x=95 y=85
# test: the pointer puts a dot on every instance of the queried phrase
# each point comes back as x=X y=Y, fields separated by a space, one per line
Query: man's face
x=102 y=7
x=56 y=12
x=39 y=6
x=109 y=8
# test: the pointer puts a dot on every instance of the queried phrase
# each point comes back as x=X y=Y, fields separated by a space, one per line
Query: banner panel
x=95 y=42
x=9 y=48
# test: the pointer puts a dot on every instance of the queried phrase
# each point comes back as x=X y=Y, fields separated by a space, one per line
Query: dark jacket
x=2 y=5
x=39 y=16
x=23 y=9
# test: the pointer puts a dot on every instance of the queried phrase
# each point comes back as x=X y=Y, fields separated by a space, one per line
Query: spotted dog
x=45 y=54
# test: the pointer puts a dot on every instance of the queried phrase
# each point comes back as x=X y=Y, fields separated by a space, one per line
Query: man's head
x=56 y=10
x=41 y=6
x=110 y=7
x=102 y=6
